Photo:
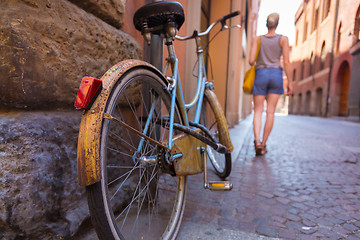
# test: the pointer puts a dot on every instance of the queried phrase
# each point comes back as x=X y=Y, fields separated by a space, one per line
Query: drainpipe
x=228 y=68
x=156 y=52
x=332 y=58
x=154 y=56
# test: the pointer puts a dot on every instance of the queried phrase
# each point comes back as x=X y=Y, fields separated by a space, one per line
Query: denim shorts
x=268 y=80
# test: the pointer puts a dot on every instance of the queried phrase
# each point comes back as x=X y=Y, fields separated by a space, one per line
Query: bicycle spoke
x=128 y=207
x=142 y=202
x=133 y=108
x=120 y=152
x=129 y=136
x=120 y=167
x=118 y=140
x=120 y=187
x=125 y=174
x=135 y=197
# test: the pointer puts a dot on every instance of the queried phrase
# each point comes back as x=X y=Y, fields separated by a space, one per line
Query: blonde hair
x=272 y=20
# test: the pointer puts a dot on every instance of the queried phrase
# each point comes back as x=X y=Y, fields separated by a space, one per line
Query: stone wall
x=39 y=194
x=46 y=47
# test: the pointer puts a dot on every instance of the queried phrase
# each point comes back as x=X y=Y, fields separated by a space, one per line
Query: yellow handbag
x=250 y=74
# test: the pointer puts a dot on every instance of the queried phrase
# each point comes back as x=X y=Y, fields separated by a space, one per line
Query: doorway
x=307 y=103
x=343 y=85
x=319 y=96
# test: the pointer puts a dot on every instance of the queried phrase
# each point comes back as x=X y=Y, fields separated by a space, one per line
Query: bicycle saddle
x=155 y=14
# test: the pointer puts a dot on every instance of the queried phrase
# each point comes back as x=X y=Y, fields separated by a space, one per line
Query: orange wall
x=219 y=51
x=128 y=27
x=180 y=46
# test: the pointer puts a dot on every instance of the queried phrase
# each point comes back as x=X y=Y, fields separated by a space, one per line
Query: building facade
x=324 y=59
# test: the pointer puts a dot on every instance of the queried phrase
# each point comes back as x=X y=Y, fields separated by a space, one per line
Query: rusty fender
x=88 y=149
x=224 y=136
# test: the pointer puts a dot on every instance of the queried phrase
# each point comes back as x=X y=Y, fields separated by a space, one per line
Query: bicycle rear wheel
x=221 y=162
x=135 y=198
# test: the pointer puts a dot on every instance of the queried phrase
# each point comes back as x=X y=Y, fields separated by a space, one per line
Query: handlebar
x=207 y=31
x=231 y=15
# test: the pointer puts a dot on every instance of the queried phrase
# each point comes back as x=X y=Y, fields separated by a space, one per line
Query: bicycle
x=136 y=143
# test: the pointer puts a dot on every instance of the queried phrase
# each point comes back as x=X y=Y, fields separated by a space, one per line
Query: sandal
x=258 y=148
x=264 y=150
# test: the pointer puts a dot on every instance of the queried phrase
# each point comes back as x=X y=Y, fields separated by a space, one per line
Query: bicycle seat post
x=170 y=46
x=163 y=19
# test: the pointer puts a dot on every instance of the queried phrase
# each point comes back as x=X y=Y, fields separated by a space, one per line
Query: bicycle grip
x=230 y=15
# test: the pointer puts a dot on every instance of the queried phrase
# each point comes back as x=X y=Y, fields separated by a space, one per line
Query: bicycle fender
x=224 y=136
x=88 y=148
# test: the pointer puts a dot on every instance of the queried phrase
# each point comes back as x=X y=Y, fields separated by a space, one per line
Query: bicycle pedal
x=219 y=185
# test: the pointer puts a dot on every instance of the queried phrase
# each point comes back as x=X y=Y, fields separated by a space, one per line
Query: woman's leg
x=258 y=110
x=272 y=100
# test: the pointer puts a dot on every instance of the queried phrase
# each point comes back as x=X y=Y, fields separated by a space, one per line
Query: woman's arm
x=253 y=51
x=284 y=42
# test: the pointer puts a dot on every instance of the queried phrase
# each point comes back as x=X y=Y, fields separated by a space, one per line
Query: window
x=322 y=56
x=307 y=103
x=294 y=75
x=312 y=61
x=296 y=37
x=315 y=20
x=326 y=8
x=302 y=70
x=319 y=96
x=357 y=26
x=338 y=39
x=305 y=31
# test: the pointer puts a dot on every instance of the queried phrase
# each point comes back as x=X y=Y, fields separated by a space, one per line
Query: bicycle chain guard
x=191 y=148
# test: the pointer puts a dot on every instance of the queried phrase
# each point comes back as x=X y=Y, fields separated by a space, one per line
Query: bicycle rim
x=220 y=162
x=139 y=200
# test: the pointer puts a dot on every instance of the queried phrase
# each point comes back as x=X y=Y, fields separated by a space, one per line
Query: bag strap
x=258 y=47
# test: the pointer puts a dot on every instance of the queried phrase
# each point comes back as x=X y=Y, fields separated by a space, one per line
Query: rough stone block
x=46 y=47
x=111 y=12
x=39 y=194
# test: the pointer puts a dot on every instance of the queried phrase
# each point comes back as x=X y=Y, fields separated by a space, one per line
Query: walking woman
x=268 y=83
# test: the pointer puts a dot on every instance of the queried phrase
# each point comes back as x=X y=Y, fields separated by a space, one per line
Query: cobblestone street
x=306 y=187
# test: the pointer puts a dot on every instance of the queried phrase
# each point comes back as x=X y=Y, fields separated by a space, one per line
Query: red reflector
x=89 y=88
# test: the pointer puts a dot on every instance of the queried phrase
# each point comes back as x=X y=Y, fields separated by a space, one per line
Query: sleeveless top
x=269 y=53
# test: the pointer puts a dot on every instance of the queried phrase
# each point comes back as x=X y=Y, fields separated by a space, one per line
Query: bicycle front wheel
x=221 y=162
x=135 y=198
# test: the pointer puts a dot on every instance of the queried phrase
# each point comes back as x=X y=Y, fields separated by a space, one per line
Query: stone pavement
x=306 y=187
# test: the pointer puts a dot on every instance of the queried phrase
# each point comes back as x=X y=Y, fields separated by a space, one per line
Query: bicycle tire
x=220 y=162
x=135 y=199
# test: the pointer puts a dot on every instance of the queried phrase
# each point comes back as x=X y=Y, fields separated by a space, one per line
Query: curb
x=197 y=231
x=239 y=133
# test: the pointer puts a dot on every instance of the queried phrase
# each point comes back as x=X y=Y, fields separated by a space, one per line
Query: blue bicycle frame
x=174 y=85
x=176 y=89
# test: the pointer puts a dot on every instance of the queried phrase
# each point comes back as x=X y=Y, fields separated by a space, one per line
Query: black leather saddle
x=156 y=14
